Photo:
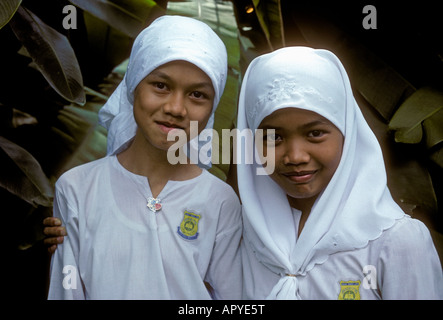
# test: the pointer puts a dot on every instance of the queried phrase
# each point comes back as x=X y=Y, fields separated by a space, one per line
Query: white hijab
x=355 y=207
x=167 y=39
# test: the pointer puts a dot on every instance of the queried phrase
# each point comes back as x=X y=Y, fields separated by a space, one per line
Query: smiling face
x=169 y=98
x=308 y=150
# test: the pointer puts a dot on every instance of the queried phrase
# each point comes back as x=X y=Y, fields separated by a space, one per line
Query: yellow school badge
x=189 y=226
x=350 y=290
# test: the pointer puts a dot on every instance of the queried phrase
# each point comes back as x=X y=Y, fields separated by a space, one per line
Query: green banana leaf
x=127 y=16
x=22 y=175
x=52 y=54
x=437 y=156
x=79 y=135
x=7 y=10
x=107 y=45
x=270 y=19
x=407 y=121
x=420 y=118
x=433 y=127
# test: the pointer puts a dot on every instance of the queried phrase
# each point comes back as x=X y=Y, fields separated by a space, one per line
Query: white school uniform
x=122 y=250
x=389 y=267
x=354 y=229
x=116 y=246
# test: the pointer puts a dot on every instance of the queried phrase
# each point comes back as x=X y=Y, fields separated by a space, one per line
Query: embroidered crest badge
x=350 y=290
x=189 y=226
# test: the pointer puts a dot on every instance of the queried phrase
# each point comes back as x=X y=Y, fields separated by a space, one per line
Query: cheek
x=143 y=101
x=201 y=115
x=279 y=154
x=331 y=155
x=141 y=107
x=141 y=115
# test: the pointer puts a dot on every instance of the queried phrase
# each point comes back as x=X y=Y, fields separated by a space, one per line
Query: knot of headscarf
x=285 y=289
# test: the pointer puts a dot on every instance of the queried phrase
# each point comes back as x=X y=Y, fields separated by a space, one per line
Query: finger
x=53 y=240
x=52 y=222
x=55 y=231
x=52 y=249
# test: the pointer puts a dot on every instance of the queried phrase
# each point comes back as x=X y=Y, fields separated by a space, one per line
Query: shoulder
x=408 y=237
x=219 y=189
x=407 y=230
x=224 y=202
x=409 y=266
x=82 y=174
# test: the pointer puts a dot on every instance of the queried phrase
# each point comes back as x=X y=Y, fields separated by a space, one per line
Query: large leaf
x=128 y=16
x=433 y=127
x=22 y=175
x=271 y=22
x=107 y=46
x=408 y=178
x=52 y=53
x=80 y=135
x=437 y=156
x=7 y=10
x=407 y=121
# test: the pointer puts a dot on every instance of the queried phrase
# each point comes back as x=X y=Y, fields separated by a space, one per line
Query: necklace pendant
x=154 y=204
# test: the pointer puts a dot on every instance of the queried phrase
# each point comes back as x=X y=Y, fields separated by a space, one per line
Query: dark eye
x=160 y=85
x=316 y=133
x=197 y=95
x=271 y=137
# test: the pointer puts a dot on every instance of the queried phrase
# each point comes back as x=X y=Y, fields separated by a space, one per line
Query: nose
x=296 y=153
x=175 y=105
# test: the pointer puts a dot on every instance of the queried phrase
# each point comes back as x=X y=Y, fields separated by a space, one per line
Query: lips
x=300 y=176
x=167 y=126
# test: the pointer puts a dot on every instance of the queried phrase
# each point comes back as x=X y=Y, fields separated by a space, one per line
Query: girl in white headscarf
x=322 y=224
x=138 y=226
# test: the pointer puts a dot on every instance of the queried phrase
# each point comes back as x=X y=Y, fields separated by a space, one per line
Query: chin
x=300 y=193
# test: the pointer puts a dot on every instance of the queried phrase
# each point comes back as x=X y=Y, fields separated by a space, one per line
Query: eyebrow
x=315 y=123
x=159 y=74
x=164 y=76
x=303 y=127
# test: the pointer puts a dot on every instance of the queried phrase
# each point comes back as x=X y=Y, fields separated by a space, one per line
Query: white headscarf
x=168 y=38
x=355 y=207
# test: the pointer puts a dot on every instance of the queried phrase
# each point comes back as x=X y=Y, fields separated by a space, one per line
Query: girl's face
x=169 y=98
x=307 y=148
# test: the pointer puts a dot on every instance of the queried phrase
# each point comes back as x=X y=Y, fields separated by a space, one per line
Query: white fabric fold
x=285 y=289
x=167 y=39
x=355 y=207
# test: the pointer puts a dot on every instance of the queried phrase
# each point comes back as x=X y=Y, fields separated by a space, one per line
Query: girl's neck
x=305 y=206
x=302 y=204
x=144 y=159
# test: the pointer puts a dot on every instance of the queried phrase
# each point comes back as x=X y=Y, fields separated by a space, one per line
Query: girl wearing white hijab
x=323 y=224
x=139 y=227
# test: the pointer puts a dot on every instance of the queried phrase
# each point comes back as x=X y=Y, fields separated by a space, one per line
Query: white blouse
x=117 y=248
